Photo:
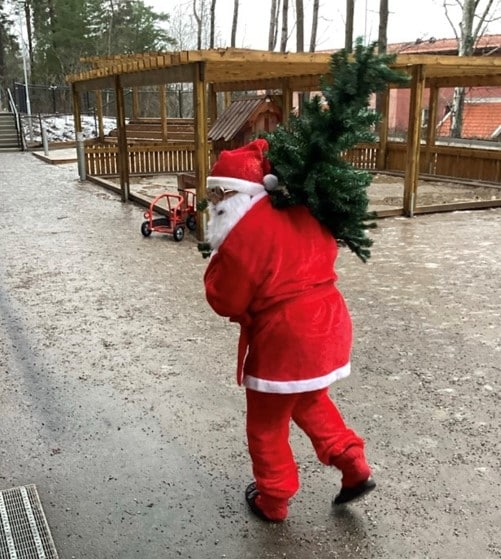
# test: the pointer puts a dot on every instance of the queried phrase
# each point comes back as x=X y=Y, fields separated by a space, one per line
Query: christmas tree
x=308 y=155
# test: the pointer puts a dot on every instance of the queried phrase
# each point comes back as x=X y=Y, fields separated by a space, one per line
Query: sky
x=409 y=20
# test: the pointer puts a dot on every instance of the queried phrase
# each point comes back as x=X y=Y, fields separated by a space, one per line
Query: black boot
x=348 y=494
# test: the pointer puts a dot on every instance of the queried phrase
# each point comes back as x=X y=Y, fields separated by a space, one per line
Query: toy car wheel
x=178 y=233
x=145 y=229
x=191 y=222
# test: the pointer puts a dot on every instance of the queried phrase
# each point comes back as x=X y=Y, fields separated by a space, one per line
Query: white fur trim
x=240 y=185
x=270 y=182
x=295 y=386
x=224 y=215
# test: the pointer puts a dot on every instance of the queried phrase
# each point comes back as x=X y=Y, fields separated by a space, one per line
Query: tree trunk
x=348 y=32
x=382 y=44
x=29 y=30
x=299 y=26
x=3 y=80
x=314 y=26
x=382 y=41
x=234 y=23
x=212 y=23
x=273 y=31
x=285 y=26
x=198 y=20
x=457 y=112
x=467 y=37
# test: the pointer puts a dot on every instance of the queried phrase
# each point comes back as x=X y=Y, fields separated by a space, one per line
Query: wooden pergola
x=228 y=70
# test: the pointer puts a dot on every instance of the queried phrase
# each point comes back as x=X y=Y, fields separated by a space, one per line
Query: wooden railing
x=102 y=160
x=442 y=161
x=454 y=162
x=363 y=156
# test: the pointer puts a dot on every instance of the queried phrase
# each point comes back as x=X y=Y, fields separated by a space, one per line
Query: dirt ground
x=117 y=393
x=385 y=192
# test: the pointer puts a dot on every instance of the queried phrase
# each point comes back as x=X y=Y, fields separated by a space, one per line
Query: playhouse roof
x=231 y=120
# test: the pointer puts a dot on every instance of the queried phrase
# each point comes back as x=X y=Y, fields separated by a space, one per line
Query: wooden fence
x=442 y=161
x=473 y=164
x=102 y=160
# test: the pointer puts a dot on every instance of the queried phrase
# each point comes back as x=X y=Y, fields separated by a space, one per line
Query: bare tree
x=382 y=41
x=314 y=26
x=198 y=15
x=234 y=23
x=299 y=26
x=474 y=22
x=382 y=45
x=273 y=31
x=212 y=23
x=285 y=26
x=29 y=30
x=348 y=32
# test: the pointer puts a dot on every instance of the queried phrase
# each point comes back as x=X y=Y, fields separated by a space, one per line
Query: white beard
x=224 y=215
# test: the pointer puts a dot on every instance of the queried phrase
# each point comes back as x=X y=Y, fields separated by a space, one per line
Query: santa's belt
x=247 y=319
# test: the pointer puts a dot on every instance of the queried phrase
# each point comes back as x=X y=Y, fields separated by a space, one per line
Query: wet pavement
x=117 y=395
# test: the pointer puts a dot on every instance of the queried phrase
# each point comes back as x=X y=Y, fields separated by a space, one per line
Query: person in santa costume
x=272 y=271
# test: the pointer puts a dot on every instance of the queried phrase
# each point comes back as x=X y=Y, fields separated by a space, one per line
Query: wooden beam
x=413 y=140
x=95 y=84
x=459 y=206
x=176 y=74
x=299 y=83
x=484 y=80
x=201 y=144
x=447 y=61
x=123 y=156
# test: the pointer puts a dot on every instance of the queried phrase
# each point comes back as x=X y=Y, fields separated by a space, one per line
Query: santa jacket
x=274 y=275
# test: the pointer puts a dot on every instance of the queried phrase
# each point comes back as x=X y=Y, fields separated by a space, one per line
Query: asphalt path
x=118 y=401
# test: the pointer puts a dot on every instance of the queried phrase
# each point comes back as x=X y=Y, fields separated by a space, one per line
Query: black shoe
x=251 y=494
x=348 y=494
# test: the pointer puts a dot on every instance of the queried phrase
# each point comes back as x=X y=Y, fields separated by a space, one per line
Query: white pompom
x=270 y=182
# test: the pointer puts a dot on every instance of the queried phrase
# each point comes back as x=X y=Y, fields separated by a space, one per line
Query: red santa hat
x=244 y=169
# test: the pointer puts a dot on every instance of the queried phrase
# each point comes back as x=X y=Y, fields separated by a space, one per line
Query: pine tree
x=307 y=155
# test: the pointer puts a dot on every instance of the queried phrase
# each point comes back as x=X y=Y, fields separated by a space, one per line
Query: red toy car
x=178 y=212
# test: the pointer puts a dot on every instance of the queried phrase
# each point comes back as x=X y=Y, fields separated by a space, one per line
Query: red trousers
x=274 y=468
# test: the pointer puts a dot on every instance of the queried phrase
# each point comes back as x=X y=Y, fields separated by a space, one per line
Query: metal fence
x=57 y=99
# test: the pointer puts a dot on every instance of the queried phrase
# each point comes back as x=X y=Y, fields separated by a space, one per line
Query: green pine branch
x=307 y=156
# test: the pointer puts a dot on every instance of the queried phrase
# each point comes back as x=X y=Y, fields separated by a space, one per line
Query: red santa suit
x=273 y=273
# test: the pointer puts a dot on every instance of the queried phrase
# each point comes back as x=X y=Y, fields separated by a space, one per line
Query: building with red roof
x=482 y=111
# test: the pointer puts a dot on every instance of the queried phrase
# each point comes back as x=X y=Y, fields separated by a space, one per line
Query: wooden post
x=201 y=144
x=286 y=101
x=99 y=109
x=413 y=140
x=135 y=103
x=431 y=130
x=123 y=156
x=162 y=90
x=383 y=131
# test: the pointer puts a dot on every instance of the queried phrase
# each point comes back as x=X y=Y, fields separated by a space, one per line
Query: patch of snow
x=61 y=128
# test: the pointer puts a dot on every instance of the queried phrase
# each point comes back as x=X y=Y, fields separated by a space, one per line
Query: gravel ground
x=117 y=395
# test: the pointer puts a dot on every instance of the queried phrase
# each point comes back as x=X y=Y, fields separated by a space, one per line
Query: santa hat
x=244 y=169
